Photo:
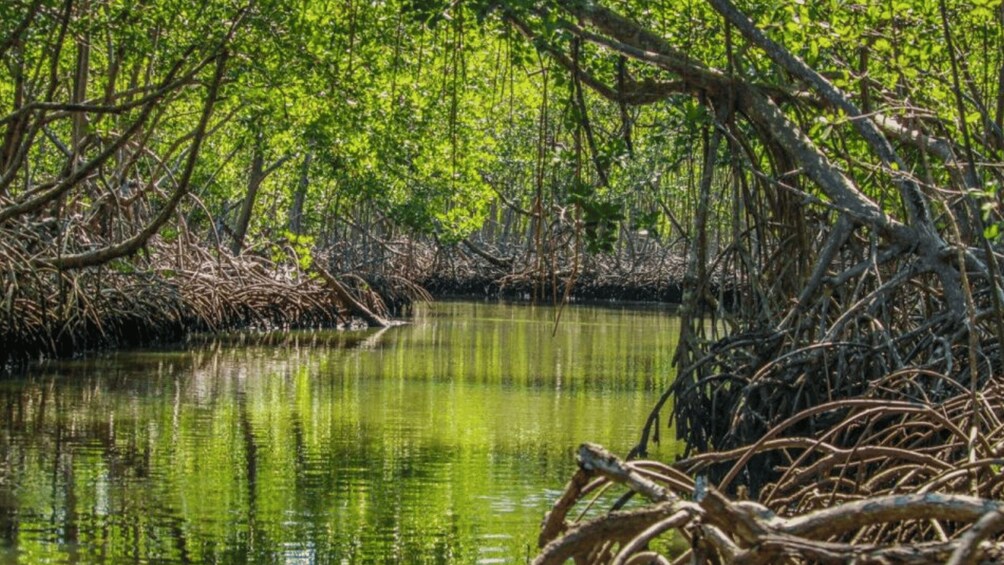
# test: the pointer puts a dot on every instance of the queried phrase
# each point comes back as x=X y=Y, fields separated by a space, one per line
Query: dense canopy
x=819 y=179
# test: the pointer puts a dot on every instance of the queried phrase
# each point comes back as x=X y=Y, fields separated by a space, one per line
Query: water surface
x=442 y=441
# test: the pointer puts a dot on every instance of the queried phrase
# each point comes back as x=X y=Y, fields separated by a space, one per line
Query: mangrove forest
x=590 y=281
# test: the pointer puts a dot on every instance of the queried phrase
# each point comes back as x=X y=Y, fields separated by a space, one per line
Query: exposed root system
x=175 y=289
x=918 y=490
x=648 y=270
x=652 y=274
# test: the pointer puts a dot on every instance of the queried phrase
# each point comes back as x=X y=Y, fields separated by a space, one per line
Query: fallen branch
x=354 y=306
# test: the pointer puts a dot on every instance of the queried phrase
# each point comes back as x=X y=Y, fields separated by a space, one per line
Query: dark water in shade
x=444 y=441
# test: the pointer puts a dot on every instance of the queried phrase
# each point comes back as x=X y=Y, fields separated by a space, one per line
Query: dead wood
x=355 y=306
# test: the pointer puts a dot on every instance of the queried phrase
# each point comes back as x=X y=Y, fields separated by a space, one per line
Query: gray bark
x=296 y=210
x=256 y=176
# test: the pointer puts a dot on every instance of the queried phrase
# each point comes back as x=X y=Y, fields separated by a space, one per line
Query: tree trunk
x=999 y=117
x=296 y=211
x=15 y=128
x=255 y=177
x=80 y=79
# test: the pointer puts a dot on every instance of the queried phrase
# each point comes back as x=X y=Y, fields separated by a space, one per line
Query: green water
x=442 y=441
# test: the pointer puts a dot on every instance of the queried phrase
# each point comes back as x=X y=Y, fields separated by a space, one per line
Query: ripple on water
x=445 y=442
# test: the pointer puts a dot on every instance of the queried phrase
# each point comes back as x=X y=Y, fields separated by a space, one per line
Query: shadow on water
x=441 y=441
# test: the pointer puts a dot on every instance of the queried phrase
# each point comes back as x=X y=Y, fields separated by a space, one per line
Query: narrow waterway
x=442 y=441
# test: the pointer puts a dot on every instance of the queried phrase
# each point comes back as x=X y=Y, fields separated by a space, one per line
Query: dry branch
x=881 y=528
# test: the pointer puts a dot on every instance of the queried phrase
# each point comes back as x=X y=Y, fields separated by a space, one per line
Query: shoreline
x=121 y=332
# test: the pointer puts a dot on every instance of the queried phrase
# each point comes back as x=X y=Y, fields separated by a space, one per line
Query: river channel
x=443 y=441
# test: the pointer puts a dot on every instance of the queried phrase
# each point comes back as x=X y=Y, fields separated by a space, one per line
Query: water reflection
x=442 y=441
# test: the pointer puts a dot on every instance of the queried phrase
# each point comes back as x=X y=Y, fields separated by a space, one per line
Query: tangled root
x=161 y=295
x=898 y=478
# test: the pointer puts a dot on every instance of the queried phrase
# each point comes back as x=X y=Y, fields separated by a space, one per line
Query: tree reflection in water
x=440 y=441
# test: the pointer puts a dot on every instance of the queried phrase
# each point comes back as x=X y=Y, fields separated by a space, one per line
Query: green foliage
x=169 y=234
x=302 y=246
x=122 y=267
x=990 y=210
x=648 y=222
x=601 y=218
x=411 y=107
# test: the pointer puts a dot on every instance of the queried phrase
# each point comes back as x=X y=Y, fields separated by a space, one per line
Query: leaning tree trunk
x=255 y=177
x=355 y=307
